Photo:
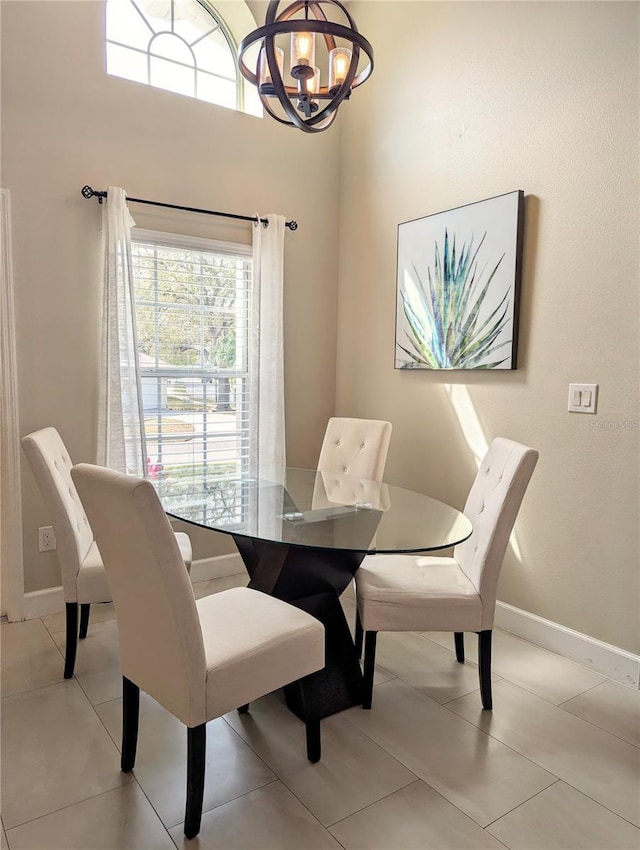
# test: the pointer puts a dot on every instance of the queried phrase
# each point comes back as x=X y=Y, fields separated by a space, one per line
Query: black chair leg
x=369 y=668
x=358 y=636
x=312 y=725
x=243 y=709
x=72 y=639
x=84 y=620
x=314 y=746
x=130 y=720
x=196 y=760
x=484 y=665
x=459 y=640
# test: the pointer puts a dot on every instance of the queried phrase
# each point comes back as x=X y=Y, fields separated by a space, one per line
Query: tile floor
x=554 y=766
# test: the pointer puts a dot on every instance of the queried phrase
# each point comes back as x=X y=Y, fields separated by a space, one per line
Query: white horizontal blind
x=193 y=308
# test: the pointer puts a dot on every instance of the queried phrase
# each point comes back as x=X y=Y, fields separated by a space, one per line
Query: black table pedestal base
x=313 y=581
x=339 y=685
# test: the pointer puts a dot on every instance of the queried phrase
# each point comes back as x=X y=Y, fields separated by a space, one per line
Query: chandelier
x=308 y=100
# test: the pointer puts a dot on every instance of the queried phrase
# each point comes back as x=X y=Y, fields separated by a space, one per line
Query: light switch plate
x=582 y=398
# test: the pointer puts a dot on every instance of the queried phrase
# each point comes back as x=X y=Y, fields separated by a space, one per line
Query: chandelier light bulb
x=303 y=50
x=265 y=80
x=339 y=61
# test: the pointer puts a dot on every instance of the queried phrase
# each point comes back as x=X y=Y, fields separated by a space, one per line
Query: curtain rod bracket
x=88 y=192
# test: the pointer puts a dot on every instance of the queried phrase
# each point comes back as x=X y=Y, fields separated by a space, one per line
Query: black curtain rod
x=88 y=192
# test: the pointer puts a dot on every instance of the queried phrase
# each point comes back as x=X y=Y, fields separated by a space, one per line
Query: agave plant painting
x=459 y=287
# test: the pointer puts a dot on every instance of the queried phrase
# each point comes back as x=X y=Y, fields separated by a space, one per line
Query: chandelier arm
x=322 y=26
x=265 y=102
x=298 y=5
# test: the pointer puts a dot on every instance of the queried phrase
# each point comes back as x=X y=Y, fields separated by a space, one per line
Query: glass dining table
x=302 y=534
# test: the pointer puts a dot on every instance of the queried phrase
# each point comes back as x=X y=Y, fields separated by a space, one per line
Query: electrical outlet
x=46 y=539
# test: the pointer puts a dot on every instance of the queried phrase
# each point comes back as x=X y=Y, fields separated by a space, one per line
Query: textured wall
x=468 y=101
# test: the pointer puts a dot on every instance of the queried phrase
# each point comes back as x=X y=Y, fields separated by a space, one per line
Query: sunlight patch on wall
x=474 y=435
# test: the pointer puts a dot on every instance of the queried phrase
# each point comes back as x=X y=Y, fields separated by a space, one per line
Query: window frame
x=246 y=436
x=220 y=23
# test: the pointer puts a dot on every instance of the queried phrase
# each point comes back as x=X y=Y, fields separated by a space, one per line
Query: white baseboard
x=611 y=661
x=41 y=603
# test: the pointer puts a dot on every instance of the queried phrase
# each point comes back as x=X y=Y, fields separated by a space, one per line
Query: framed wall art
x=458 y=286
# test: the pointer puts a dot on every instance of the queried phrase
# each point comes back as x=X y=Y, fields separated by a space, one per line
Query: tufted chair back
x=51 y=465
x=492 y=506
x=355 y=447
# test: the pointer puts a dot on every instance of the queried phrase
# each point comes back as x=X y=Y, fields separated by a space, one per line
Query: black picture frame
x=458 y=286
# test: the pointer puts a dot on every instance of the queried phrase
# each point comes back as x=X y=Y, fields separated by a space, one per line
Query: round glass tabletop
x=312 y=509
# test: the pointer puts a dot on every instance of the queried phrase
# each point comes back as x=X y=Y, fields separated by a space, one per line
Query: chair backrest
x=355 y=447
x=51 y=466
x=161 y=647
x=492 y=506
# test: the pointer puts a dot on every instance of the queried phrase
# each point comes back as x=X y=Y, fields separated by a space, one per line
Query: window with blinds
x=193 y=312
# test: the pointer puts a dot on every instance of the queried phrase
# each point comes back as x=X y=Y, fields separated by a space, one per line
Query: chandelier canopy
x=309 y=100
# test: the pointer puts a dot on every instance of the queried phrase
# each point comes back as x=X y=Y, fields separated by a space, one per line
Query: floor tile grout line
x=524 y=802
x=67 y=806
x=582 y=693
x=602 y=805
x=597 y=725
x=280 y=779
x=508 y=746
x=58 y=682
x=135 y=778
x=559 y=778
x=375 y=802
x=474 y=726
x=132 y=772
x=518 y=684
x=230 y=800
x=554 y=705
x=601 y=728
x=132 y=776
x=503 y=676
x=551 y=652
x=284 y=782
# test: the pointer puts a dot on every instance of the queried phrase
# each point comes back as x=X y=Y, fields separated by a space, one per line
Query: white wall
x=468 y=101
x=66 y=123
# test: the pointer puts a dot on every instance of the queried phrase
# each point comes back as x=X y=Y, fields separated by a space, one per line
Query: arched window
x=183 y=46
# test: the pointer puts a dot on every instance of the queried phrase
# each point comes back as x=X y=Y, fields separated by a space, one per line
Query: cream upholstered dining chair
x=200 y=659
x=355 y=447
x=83 y=577
x=402 y=593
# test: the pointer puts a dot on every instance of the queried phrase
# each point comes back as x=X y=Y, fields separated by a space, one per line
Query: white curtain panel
x=121 y=438
x=10 y=499
x=268 y=341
